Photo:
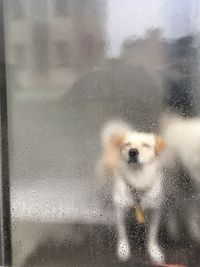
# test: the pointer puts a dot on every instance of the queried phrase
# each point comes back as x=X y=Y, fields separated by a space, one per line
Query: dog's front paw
x=123 y=250
x=156 y=254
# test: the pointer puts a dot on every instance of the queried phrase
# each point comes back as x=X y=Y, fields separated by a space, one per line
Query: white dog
x=183 y=141
x=183 y=145
x=132 y=160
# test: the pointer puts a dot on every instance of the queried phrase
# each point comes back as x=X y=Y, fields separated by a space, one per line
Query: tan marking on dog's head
x=111 y=151
x=116 y=139
x=160 y=144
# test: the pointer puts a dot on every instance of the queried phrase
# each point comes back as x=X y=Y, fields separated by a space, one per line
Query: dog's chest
x=143 y=189
x=142 y=179
x=148 y=188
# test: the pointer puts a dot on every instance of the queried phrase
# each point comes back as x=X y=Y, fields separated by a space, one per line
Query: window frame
x=5 y=214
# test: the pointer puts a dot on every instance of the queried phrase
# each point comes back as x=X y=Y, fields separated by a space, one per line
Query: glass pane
x=72 y=67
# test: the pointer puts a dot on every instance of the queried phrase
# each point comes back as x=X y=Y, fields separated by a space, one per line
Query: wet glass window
x=62 y=51
x=18 y=10
x=103 y=132
x=20 y=53
x=61 y=8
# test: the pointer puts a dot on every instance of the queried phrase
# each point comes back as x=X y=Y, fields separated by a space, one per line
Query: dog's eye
x=127 y=144
x=146 y=145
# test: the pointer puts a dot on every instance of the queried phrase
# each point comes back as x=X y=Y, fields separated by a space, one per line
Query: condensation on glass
x=73 y=65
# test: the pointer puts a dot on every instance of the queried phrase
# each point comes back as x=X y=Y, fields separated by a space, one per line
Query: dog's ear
x=160 y=144
x=117 y=139
x=111 y=152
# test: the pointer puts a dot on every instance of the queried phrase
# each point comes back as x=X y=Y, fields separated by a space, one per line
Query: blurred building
x=149 y=52
x=50 y=42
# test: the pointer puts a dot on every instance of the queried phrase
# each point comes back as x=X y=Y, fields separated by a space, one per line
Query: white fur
x=114 y=127
x=149 y=177
x=183 y=141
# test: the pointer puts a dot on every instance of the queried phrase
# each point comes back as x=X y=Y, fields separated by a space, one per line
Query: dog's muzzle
x=133 y=156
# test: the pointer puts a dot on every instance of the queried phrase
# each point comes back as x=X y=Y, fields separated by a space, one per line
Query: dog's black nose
x=133 y=155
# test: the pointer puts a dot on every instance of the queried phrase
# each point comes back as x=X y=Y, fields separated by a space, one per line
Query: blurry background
x=71 y=66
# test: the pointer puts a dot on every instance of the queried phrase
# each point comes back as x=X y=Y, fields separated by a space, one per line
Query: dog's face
x=138 y=149
x=135 y=149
